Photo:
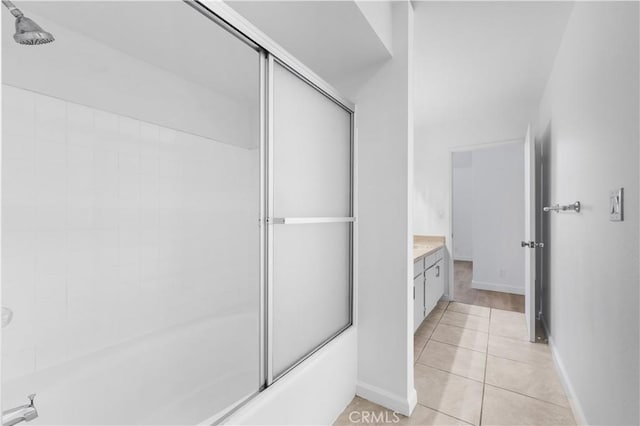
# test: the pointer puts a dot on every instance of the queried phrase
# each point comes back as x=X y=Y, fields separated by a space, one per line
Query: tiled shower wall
x=114 y=228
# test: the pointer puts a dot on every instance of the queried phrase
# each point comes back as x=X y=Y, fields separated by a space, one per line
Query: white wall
x=588 y=124
x=378 y=14
x=498 y=218
x=385 y=298
x=462 y=205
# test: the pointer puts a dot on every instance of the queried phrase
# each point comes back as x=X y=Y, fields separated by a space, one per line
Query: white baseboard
x=578 y=413
x=388 y=400
x=463 y=258
x=503 y=288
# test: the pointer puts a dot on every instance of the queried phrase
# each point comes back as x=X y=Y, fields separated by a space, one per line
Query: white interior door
x=529 y=243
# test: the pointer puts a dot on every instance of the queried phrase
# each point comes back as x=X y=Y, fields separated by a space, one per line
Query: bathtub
x=181 y=375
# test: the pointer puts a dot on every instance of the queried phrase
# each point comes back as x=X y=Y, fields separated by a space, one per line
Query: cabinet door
x=434 y=286
x=439 y=280
x=418 y=301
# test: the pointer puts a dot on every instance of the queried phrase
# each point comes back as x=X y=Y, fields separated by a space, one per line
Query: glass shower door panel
x=311 y=291
x=311 y=226
x=311 y=151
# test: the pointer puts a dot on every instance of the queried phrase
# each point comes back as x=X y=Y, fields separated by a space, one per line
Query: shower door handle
x=307 y=220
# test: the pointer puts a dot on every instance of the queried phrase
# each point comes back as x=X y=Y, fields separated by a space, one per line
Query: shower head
x=27 y=31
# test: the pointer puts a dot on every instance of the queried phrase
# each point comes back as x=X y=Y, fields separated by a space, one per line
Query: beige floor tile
x=502 y=407
x=353 y=412
x=419 y=342
x=463 y=337
x=471 y=322
x=427 y=327
x=435 y=315
x=502 y=315
x=540 y=382
x=361 y=411
x=463 y=308
x=425 y=416
x=508 y=324
x=519 y=350
x=454 y=359
x=449 y=394
x=442 y=304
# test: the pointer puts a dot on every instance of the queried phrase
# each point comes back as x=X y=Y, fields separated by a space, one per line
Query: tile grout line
x=471 y=329
x=466 y=328
x=458 y=346
x=484 y=379
x=469 y=313
x=448 y=415
x=532 y=364
x=449 y=372
x=415 y=361
x=528 y=396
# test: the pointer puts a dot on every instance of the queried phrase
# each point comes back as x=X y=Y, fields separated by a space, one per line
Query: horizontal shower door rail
x=305 y=220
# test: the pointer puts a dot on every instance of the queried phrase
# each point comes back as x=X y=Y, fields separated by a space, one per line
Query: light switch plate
x=616 y=204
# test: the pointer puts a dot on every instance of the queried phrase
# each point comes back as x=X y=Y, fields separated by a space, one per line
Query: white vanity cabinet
x=428 y=285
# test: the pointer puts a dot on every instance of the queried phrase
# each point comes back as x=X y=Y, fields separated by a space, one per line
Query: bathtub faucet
x=24 y=413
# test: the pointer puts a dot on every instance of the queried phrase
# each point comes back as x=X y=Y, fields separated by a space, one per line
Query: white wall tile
x=112 y=228
x=50 y=119
x=18 y=181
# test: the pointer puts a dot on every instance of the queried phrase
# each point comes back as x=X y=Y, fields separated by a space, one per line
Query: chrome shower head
x=30 y=33
x=27 y=31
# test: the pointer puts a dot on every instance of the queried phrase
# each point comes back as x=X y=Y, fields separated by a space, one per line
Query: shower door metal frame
x=270 y=53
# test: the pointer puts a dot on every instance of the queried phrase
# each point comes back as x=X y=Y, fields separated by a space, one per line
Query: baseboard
x=463 y=259
x=576 y=408
x=388 y=400
x=503 y=288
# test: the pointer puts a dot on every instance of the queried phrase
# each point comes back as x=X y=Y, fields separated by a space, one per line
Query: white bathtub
x=182 y=375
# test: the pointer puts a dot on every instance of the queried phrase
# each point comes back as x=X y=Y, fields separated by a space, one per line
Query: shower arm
x=13 y=9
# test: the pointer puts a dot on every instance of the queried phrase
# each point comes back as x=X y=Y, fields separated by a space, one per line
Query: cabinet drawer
x=418 y=267
x=433 y=258
x=439 y=255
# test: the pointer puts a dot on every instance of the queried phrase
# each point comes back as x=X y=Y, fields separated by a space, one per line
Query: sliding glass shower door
x=177 y=215
x=310 y=217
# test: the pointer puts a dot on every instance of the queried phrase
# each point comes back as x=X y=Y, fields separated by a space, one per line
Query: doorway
x=487 y=223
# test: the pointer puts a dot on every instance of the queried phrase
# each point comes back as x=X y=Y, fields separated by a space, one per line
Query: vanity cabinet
x=428 y=285
x=418 y=300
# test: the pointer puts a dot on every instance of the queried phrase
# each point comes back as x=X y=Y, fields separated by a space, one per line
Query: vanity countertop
x=424 y=245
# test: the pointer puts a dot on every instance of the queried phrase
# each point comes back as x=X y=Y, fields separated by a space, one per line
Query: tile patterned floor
x=474 y=365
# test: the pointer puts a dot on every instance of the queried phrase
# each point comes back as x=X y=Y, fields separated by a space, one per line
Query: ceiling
x=474 y=59
x=333 y=38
